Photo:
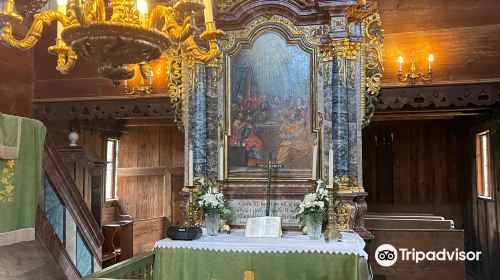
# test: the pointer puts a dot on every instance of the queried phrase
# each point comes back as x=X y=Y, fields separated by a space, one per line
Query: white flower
x=321 y=204
x=310 y=197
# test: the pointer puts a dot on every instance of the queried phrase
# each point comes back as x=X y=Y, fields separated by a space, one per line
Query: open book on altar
x=263 y=227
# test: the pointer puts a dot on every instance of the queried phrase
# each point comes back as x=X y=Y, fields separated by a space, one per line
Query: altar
x=294 y=256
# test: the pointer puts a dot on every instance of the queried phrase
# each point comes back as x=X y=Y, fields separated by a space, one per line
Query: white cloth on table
x=351 y=243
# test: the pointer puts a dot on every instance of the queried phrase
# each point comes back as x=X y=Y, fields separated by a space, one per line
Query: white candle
x=431 y=59
x=61 y=7
x=221 y=162
x=142 y=7
x=400 y=63
x=315 y=162
x=330 y=167
x=190 y=167
x=209 y=16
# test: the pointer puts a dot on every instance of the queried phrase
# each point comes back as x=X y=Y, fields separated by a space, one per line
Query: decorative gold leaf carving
x=372 y=64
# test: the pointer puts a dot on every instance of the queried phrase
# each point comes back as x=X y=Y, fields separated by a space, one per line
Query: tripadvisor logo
x=387 y=255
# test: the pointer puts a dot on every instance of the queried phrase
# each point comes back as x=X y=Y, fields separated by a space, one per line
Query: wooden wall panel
x=415 y=163
x=461 y=35
x=16 y=80
x=147 y=150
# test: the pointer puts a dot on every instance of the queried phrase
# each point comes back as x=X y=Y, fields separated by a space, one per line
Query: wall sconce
x=413 y=76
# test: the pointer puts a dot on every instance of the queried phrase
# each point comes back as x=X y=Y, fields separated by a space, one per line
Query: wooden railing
x=66 y=189
x=140 y=267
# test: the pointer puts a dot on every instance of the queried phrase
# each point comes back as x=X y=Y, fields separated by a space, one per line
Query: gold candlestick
x=331 y=233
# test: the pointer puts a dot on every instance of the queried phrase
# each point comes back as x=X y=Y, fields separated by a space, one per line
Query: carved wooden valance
x=479 y=95
x=89 y=109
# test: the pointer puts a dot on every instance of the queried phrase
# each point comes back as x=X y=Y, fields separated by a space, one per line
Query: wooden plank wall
x=412 y=163
x=483 y=230
x=16 y=79
x=146 y=151
x=460 y=33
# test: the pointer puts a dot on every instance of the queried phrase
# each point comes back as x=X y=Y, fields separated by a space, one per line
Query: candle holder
x=143 y=89
x=332 y=233
x=413 y=75
x=192 y=212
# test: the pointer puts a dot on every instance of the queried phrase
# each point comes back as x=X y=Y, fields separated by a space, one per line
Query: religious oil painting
x=270 y=87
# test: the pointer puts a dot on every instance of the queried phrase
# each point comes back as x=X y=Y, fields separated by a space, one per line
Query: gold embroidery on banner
x=6 y=181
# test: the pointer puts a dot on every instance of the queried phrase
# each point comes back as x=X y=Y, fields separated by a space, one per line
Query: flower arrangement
x=314 y=203
x=209 y=198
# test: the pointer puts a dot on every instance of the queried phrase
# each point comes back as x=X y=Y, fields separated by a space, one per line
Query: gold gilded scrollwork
x=373 y=57
x=345 y=217
x=228 y=5
x=342 y=49
x=176 y=85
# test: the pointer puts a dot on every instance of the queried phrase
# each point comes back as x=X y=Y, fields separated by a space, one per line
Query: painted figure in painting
x=294 y=136
x=270 y=93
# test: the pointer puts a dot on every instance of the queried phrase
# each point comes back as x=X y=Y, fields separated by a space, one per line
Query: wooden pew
x=408 y=223
x=422 y=232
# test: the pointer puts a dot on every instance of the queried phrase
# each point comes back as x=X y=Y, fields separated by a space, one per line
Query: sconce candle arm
x=413 y=75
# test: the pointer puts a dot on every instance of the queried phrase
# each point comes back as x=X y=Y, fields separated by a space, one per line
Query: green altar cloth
x=20 y=177
x=192 y=264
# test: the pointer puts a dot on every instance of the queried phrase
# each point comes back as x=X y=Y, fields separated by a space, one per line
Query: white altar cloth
x=291 y=242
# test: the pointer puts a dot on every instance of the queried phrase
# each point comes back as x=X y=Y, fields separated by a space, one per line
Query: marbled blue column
x=198 y=122
x=340 y=119
x=354 y=122
x=212 y=124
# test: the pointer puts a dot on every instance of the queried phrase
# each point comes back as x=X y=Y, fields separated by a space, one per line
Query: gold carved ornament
x=341 y=50
x=7 y=181
x=130 y=36
x=230 y=5
x=372 y=64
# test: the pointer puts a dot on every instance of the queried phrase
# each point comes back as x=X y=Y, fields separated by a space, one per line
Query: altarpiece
x=295 y=90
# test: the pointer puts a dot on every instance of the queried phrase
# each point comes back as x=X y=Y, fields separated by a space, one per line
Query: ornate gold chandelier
x=129 y=35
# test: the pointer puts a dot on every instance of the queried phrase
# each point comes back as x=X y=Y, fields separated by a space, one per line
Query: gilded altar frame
x=302 y=37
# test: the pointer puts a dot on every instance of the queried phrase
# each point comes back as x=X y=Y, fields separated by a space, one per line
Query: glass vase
x=212 y=221
x=314 y=222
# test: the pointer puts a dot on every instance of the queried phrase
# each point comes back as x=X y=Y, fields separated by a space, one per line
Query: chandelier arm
x=198 y=53
x=35 y=31
x=176 y=32
x=66 y=62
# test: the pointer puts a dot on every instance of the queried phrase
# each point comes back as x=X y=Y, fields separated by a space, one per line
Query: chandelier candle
x=61 y=7
x=142 y=7
x=208 y=13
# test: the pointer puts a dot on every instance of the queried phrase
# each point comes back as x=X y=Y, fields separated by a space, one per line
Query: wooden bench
x=407 y=223
x=422 y=232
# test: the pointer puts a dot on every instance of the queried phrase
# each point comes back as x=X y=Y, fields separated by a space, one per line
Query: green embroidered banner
x=20 y=179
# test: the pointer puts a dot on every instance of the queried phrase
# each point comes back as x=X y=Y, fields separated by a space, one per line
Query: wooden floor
x=28 y=261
